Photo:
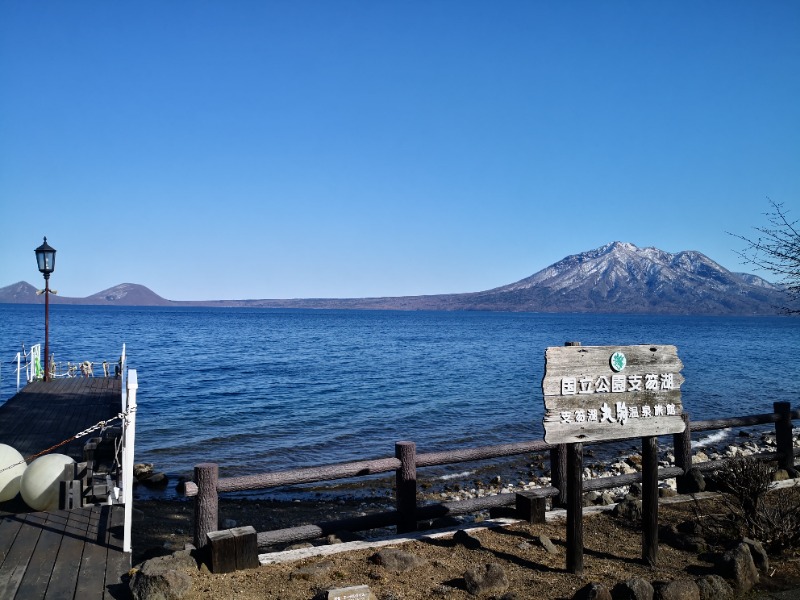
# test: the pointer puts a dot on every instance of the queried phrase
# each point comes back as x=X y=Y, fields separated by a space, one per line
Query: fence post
x=206 y=503
x=682 y=447
x=406 y=480
x=783 y=435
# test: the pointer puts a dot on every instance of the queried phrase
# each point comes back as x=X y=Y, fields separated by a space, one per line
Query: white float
x=40 y=481
x=10 y=478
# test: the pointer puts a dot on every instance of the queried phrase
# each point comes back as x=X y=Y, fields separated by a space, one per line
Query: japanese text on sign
x=651 y=382
x=620 y=415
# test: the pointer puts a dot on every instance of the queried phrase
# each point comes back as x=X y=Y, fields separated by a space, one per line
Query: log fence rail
x=207 y=485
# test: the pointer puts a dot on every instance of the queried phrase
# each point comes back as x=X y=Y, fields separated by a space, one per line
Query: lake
x=258 y=389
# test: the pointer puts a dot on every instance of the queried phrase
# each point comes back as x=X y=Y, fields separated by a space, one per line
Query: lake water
x=259 y=390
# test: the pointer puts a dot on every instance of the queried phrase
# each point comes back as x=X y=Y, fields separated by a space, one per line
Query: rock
x=486 y=579
x=593 y=591
x=590 y=498
x=633 y=589
x=606 y=498
x=695 y=481
x=229 y=523
x=396 y=560
x=695 y=543
x=635 y=460
x=714 y=587
x=313 y=571
x=699 y=457
x=759 y=555
x=142 y=470
x=466 y=540
x=164 y=577
x=443 y=522
x=681 y=589
x=666 y=492
x=636 y=489
x=780 y=475
x=299 y=546
x=155 y=480
x=690 y=527
x=341 y=537
x=630 y=510
x=623 y=468
x=737 y=564
x=547 y=544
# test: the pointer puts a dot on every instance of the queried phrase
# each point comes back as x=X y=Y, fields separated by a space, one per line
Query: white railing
x=129 y=387
x=30 y=363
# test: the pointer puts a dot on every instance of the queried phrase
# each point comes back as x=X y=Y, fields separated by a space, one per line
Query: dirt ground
x=612 y=553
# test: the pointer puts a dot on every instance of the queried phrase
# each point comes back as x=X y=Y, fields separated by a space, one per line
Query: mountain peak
x=621 y=277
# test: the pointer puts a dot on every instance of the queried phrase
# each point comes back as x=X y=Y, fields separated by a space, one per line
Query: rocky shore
x=510 y=564
x=311 y=504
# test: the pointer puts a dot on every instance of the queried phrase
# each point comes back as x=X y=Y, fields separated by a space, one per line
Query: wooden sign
x=594 y=393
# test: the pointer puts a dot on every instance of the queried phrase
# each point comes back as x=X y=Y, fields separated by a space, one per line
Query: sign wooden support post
x=571 y=477
x=650 y=500
x=575 y=508
x=597 y=393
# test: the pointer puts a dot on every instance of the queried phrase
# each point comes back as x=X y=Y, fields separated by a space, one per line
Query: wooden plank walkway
x=43 y=414
x=66 y=554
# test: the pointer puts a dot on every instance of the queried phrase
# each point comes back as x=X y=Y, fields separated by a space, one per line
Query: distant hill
x=616 y=278
x=125 y=294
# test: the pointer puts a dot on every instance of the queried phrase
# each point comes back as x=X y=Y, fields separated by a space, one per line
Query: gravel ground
x=612 y=554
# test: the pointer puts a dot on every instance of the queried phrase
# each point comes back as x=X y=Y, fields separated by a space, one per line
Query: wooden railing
x=207 y=484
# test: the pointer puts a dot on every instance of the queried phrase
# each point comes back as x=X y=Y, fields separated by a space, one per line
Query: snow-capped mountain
x=620 y=277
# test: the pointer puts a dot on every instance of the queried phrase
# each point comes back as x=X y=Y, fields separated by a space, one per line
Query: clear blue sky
x=356 y=148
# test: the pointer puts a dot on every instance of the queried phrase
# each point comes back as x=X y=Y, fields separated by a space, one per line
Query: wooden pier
x=62 y=554
x=43 y=414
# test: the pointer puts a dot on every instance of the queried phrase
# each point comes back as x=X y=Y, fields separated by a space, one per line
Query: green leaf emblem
x=618 y=361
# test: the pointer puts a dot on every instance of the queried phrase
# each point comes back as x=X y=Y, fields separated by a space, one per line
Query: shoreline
x=163 y=521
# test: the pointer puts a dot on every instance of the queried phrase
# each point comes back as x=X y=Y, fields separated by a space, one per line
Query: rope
x=95 y=427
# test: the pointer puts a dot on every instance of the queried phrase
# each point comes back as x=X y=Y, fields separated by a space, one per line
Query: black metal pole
x=46 y=326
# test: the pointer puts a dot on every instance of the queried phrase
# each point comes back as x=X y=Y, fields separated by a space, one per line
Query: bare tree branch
x=776 y=250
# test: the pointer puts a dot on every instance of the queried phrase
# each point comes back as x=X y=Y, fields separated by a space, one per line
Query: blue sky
x=355 y=148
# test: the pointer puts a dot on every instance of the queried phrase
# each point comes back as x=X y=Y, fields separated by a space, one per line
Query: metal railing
x=30 y=364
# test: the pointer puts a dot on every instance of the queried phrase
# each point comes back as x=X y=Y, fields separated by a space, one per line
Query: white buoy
x=9 y=478
x=40 y=481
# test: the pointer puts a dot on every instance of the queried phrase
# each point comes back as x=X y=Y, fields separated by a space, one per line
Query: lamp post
x=46 y=259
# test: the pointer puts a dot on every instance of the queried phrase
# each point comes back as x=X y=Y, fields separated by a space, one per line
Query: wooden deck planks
x=35 y=582
x=43 y=414
x=16 y=562
x=63 y=555
x=64 y=577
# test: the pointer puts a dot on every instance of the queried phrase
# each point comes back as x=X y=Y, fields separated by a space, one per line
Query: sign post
x=601 y=393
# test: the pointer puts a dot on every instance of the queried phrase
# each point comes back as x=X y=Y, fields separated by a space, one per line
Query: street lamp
x=46 y=259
